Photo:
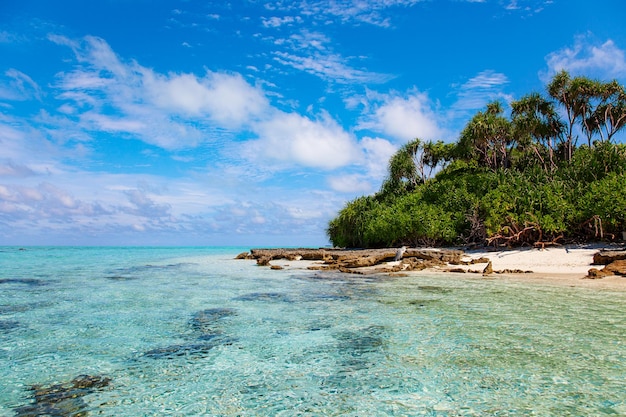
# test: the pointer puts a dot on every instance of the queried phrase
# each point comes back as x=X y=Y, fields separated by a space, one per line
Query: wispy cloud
x=372 y=12
x=479 y=90
x=15 y=85
x=312 y=52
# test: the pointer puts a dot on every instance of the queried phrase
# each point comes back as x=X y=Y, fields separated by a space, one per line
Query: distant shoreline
x=560 y=265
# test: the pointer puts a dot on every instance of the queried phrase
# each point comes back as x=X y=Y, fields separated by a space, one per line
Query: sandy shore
x=561 y=265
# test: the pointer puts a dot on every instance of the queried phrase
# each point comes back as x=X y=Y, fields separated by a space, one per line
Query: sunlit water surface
x=192 y=332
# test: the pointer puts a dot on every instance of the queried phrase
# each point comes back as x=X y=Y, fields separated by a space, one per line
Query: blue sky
x=181 y=122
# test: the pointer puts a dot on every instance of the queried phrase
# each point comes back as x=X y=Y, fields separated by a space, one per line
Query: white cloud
x=353 y=184
x=403 y=117
x=290 y=137
x=172 y=111
x=588 y=58
x=377 y=153
x=227 y=98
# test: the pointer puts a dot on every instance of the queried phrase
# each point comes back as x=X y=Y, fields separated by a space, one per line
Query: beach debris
x=400 y=253
x=488 y=269
x=63 y=399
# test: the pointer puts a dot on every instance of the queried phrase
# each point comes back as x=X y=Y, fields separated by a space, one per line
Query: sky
x=253 y=122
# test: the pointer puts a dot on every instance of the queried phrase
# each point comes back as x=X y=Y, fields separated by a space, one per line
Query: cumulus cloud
x=227 y=98
x=290 y=137
x=377 y=152
x=172 y=111
x=402 y=117
x=587 y=57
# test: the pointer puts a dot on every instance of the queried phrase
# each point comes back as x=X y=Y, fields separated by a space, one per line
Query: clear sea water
x=193 y=332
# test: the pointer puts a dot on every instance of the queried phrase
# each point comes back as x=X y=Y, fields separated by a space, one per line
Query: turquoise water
x=193 y=332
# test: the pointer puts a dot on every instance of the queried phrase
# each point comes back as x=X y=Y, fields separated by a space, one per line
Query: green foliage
x=506 y=181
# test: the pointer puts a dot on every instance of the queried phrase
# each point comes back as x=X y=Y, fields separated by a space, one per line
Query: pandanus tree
x=561 y=89
x=536 y=124
x=414 y=163
x=488 y=138
x=609 y=116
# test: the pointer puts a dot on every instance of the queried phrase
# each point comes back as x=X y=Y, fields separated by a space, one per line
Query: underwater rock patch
x=120 y=278
x=264 y=296
x=62 y=400
x=207 y=335
x=204 y=321
x=357 y=343
x=7 y=325
x=32 y=282
x=197 y=349
x=434 y=289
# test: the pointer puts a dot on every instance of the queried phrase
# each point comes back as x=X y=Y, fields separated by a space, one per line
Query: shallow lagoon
x=190 y=331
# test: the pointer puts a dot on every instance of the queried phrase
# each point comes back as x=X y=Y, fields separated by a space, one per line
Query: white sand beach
x=558 y=265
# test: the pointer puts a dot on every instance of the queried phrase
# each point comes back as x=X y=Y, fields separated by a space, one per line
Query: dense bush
x=519 y=181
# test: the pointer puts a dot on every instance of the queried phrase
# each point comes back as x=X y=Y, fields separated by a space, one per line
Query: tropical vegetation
x=549 y=171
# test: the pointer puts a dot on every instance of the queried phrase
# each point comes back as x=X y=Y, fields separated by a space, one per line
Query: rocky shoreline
x=393 y=260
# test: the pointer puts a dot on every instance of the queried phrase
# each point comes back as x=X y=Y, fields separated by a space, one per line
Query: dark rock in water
x=326 y=297
x=6 y=325
x=125 y=272
x=26 y=281
x=363 y=341
x=196 y=349
x=204 y=321
x=264 y=296
x=62 y=400
x=90 y=381
x=422 y=303
x=433 y=289
x=358 y=349
x=120 y=278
